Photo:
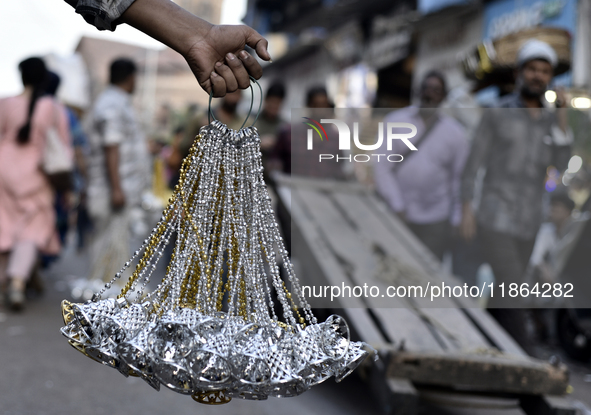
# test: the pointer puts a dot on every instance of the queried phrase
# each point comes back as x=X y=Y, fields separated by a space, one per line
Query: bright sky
x=38 y=27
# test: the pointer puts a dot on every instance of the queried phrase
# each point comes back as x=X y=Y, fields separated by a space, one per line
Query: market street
x=42 y=375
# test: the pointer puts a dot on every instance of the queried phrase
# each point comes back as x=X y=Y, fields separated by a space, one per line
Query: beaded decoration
x=209 y=329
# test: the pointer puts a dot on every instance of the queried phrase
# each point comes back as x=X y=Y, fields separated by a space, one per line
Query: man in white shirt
x=424 y=189
x=118 y=168
x=119 y=160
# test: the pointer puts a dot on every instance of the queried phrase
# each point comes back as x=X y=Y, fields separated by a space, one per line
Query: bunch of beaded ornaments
x=209 y=329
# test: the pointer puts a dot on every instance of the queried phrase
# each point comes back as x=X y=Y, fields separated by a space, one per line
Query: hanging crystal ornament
x=209 y=328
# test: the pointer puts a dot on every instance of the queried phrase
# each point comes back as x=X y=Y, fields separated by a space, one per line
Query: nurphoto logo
x=345 y=140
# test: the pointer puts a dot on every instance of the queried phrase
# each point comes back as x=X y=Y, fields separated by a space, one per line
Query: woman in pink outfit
x=27 y=217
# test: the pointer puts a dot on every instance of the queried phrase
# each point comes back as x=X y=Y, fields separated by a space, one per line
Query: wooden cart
x=343 y=233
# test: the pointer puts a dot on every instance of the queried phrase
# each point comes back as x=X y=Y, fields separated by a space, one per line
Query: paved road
x=40 y=374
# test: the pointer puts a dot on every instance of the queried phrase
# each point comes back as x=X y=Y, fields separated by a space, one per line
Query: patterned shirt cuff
x=101 y=13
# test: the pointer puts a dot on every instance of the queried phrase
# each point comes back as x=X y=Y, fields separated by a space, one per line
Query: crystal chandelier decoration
x=209 y=328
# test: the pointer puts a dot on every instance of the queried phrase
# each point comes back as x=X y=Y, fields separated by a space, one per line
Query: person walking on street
x=424 y=188
x=27 y=215
x=118 y=169
x=515 y=144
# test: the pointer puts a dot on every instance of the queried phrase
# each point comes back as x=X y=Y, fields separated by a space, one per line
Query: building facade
x=390 y=46
x=209 y=10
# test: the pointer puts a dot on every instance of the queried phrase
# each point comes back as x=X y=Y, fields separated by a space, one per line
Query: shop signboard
x=389 y=42
x=502 y=17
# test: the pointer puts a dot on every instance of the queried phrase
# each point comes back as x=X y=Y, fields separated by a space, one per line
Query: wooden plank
x=421 y=253
x=493 y=331
x=453 y=321
x=479 y=372
x=400 y=322
x=318 y=184
x=547 y=405
x=320 y=265
x=485 y=323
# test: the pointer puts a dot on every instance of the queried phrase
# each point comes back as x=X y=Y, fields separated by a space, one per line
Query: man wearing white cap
x=515 y=143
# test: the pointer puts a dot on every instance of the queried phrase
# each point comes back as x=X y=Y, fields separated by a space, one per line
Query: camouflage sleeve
x=101 y=13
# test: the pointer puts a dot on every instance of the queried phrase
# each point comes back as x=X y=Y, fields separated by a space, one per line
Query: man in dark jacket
x=515 y=143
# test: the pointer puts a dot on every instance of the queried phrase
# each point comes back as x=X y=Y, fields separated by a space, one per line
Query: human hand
x=560 y=98
x=117 y=199
x=215 y=53
x=468 y=223
x=219 y=62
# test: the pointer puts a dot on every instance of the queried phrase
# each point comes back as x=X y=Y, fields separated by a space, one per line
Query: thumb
x=258 y=43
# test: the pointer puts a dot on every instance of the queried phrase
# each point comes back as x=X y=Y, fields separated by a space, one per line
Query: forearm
x=475 y=161
x=112 y=164
x=166 y=22
x=468 y=179
x=478 y=153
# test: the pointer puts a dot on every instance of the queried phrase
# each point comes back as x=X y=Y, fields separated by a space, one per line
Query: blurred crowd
x=473 y=196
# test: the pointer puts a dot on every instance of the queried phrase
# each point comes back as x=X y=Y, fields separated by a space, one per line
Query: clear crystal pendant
x=209 y=329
